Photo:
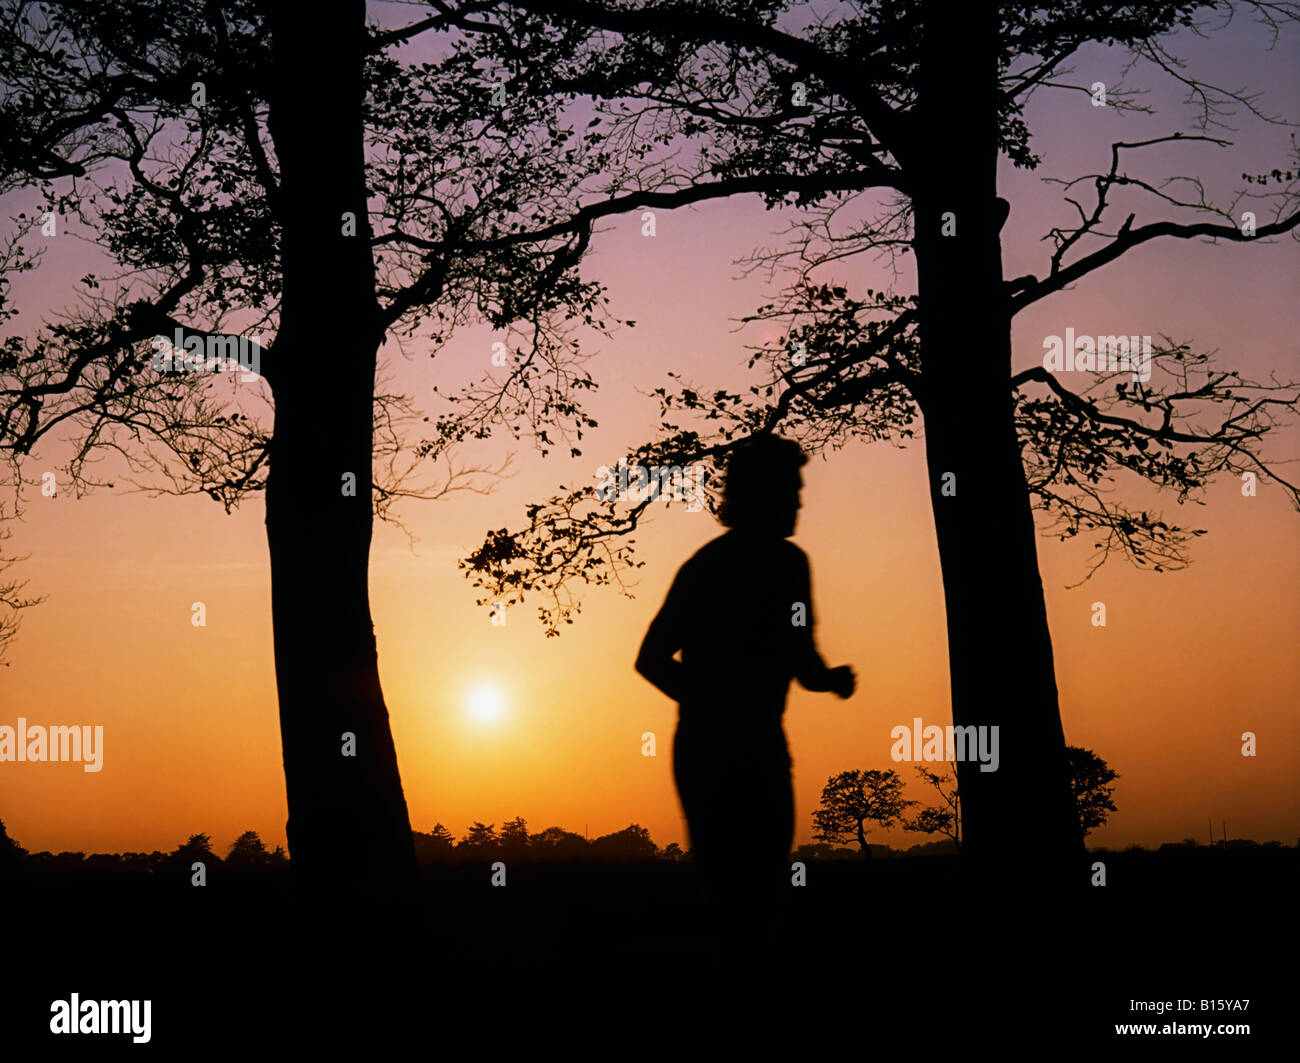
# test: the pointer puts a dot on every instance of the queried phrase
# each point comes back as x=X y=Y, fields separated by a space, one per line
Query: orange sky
x=1187 y=662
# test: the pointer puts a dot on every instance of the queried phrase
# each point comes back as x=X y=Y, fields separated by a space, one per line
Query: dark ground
x=607 y=960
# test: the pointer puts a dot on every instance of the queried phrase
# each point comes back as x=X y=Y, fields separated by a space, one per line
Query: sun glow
x=485 y=704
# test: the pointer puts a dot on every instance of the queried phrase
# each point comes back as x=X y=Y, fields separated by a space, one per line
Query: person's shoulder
x=732 y=548
x=794 y=549
x=717 y=554
x=795 y=553
x=715 y=547
x=697 y=562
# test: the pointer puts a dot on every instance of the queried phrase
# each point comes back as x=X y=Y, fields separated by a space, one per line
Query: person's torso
x=743 y=640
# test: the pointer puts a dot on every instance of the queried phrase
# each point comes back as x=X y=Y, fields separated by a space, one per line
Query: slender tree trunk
x=1018 y=822
x=349 y=832
x=862 y=841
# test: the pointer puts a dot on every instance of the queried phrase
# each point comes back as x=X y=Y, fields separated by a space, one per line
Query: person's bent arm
x=810 y=669
x=812 y=672
x=815 y=676
x=656 y=660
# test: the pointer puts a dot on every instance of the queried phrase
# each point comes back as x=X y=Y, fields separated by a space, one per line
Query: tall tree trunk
x=1018 y=822
x=349 y=832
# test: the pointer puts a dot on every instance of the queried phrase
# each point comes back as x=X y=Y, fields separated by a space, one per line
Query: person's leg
x=696 y=777
x=783 y=818
x=705 y=786
x=782 y=843
x=761 y=860
x=755 y=820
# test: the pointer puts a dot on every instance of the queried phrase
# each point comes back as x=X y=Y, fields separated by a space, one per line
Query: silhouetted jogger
x=740 y=612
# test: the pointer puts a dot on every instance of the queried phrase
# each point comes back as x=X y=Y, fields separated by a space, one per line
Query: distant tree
x=514 y=838
x=631 y=844
x=944 y=819
x=179 y=862
x=1090 y=779
x=11 y=853
x=815 y=851
x=1089 y=784
x=558 y=845
x=436 y=847
x=278 y=857
x=931 y=820
x=62 y=862
x=147 y=863
x=822 y=851
x=198 y=846
x=672 y=852
x=479 y=842
x=929 y=849
x=248 y=851
x=852 y=799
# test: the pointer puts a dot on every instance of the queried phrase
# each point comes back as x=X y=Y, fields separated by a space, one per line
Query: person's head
x=761 y=489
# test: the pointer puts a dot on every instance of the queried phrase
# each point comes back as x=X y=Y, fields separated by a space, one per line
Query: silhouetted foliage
x=435 y=847
x=481 y=841
x=1090 y=779
x=248 y=852
x=58 y=862
x=557 y=845
x=179 y=863
x=852 y=799
x=672 y=852
x=631 y=844
x=197 y=847
x=553 y=845
x=514 y=839
x=11 y=853
x=12 y=600
x=944 y=819
x=825 y=851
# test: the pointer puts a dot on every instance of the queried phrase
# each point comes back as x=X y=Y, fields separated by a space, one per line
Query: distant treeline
x=248 y=853
x=481 y=843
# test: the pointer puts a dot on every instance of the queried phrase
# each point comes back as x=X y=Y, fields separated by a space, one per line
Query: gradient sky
x=1189 y=660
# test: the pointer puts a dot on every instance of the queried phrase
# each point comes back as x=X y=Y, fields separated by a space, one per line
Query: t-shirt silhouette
x=740 y=612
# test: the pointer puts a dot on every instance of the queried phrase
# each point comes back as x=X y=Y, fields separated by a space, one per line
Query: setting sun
x=486 y=704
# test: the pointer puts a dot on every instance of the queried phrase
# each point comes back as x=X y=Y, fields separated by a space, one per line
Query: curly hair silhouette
x=762 y=484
